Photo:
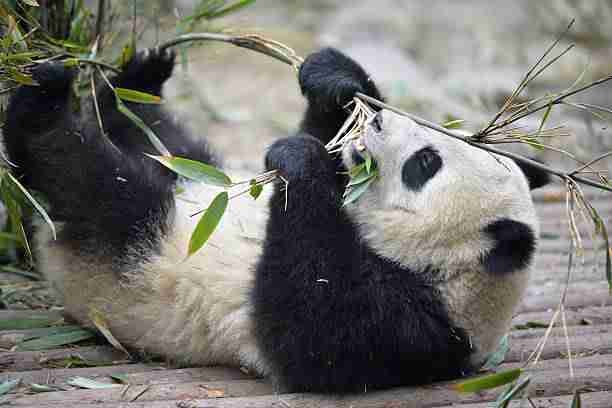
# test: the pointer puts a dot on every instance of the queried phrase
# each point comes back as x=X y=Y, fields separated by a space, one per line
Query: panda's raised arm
x=329 y=80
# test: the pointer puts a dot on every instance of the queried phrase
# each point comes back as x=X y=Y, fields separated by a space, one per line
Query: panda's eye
x=420 y=168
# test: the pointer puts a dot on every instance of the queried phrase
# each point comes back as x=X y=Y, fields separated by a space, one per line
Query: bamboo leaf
x=38 y=388
x=194 y=170
x=485 y=382
x=55 y=340
x=14 y=212
x=131 y=95
x=90 y=384
x=231 y=8
x=9 y=385
x=499 y=355
x=33 y=202
x=576 y=401
x=504 y=400
x=32 y=3
x=120 y=378
x=30 y=323
x=454 y=124
x=157 y=144
x=255 y=190
x=353 y=193
x=208 y=223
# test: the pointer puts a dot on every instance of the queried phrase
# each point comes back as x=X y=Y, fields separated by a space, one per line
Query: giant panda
x=416 y=281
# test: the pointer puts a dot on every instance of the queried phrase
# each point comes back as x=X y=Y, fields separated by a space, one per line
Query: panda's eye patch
x=421 y=167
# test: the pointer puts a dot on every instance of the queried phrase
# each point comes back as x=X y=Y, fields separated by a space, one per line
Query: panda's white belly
x=482 y=304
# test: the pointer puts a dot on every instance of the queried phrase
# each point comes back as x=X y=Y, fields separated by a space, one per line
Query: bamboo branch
x=483 y=146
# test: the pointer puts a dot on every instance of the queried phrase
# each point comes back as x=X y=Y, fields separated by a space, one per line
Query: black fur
x=330 y=314
x=515 y=245
x=329 y=80
x=421 y=167
x=537 y=178
x=109 y=194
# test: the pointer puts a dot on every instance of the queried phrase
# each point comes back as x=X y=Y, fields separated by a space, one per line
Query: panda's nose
x=377 y=122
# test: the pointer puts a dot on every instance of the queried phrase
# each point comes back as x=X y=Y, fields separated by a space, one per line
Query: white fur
x=193 y=311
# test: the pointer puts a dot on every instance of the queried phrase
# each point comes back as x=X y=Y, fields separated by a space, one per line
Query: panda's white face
x=435 y=194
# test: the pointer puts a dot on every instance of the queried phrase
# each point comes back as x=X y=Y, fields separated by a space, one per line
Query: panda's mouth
x=356 y=155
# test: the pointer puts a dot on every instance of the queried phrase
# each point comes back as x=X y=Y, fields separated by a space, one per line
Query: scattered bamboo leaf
x=30 y=323
x=131 y=95
x=90 y=384
x=504 y=400
x=488 y=381
x=9 y=385
x=208 y=222
x=577 y=400
x=55 y=340
x=499 y=355
x=120 y=378
x=38 y=388
x=194 y=170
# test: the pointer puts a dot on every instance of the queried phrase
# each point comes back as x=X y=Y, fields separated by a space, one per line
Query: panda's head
x=437 y=198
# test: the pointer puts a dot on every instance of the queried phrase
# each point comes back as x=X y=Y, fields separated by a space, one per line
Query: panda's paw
x=148 y=69
x=330 y=79
x=53 y=77
x=300 y=158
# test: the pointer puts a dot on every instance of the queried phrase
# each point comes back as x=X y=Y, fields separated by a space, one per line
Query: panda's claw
x=148 y=70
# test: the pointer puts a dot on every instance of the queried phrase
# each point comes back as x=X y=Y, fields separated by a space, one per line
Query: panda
x=414 y=282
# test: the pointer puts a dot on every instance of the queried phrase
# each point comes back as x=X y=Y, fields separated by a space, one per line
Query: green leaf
x=157 y=144
x=38 y=388
x=9 y=385
x=231 y=8
x=368 y=162
x=32 y=3
x=545 y=117
x=360 y=178
x=120 y=378
x=55 y=340
x=353 y=193
x=33 y=202
x=90 y=384
x=504 y=399
x=454 y=124
x=194 y=170
x=499 y=355
x=485 y=382
x=131 y=95
x=576 y=401
x=33 y=322
x=208 y=223
x=14 y=212
x=255 y=190
x=21 y=78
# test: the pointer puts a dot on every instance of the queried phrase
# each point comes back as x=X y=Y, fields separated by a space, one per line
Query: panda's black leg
x=106 y=199
x=329 y=80
x=147 y=72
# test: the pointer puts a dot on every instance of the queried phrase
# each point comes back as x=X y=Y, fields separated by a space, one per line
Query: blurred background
x=440 y=59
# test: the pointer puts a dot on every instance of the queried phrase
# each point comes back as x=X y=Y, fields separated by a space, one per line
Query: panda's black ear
x=535 y=176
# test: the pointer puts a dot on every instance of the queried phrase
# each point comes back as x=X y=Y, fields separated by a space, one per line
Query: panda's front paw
x=148 y=68
x=329 y=79
x=53 y=77
x=300 y=158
